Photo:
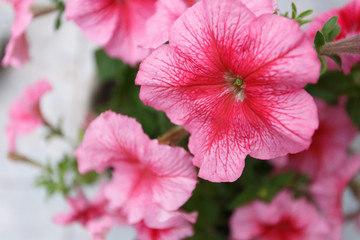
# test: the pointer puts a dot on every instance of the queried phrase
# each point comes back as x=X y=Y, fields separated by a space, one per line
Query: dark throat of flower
x=237 y=85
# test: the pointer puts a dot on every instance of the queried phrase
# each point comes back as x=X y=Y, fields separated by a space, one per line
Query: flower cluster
x=233 y=73
x=322 y=161
x=149 y=181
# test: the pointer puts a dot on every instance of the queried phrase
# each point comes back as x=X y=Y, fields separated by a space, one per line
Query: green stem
x=173 y=136
x=42 y=10
x=20 y=158
x=349 y=45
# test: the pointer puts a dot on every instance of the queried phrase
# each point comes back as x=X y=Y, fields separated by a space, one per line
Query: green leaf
x=319 y=40
x=305 y=14
x=337 y=60
x=245 y=196
x=271 y=187
x=334 y=84
x=109 y=68
x=324 y=94
x=61 y=9
x=294 y=10
x=329 y=25
x=58 y=23
x=353 y=109
x=334 y=33
x=323 y=65
x=302 y=22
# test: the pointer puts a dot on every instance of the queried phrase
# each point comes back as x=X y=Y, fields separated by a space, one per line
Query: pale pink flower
x=17 y=49
x=99 y=228
x=24 y=112
x=94 y=215
x=284 y=218
x=327 y=193
x=349 y=19
x=158 y=26
x=167 y=11
x=329 y=144
x=171 y=226
x=82 y=210
x=259 y=7
x=146 y=174
x=117 y=25
x=235 y=82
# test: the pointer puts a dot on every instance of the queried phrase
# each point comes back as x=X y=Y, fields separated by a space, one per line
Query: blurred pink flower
x=173 y=226
x=327 y=193
x=146 y=174
x=24 y=113
x=99 y=228
x=17 y=49
x=158 y=25
x=284 y=218
x=167 y=11
x=329 y=145
x=93 y=215
x=349 y=19
x=117 y=25
x=235 y=82
x=82 y=210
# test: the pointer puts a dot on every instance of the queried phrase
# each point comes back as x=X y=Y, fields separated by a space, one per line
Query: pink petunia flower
x=329 y=144
x=167 y=11
x=93 y=215
x=173 y=226
x=284 y=218
x=117 y=25
x=146 y=174
x=327 y=193
x=349 y=19
x=25 y=113
x=17 y=49
x=82 y=210
x=235 y=82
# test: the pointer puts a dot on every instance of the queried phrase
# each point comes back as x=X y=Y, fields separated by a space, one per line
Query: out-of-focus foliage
x=334 y=84
x=63 y=177
x=60 y=5
x=353 y=109
x=215 y=202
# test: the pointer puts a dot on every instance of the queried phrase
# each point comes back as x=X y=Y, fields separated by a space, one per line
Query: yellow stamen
x=239 y=82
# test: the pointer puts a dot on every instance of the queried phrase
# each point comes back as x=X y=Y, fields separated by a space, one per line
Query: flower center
x=237 y=85
x=239 y=82
x=283 y=230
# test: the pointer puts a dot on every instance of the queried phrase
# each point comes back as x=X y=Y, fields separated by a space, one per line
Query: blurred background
x=67 y=60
